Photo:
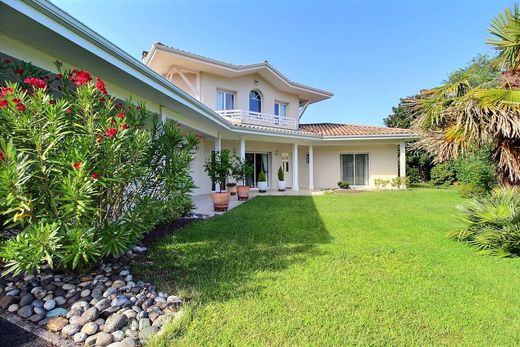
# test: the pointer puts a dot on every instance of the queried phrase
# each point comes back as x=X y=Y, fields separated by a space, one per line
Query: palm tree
x=455 y=118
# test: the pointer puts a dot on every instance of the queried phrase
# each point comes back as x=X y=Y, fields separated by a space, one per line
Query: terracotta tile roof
x=333 y=129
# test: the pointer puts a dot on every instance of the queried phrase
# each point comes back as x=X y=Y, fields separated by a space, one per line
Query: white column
x=218 y=147
x=295 y=185
x=242 y=149
x=311 y=167
x=402 y=160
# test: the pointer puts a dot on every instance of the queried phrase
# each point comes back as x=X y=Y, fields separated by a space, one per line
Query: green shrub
x=443 y=174
x=492 y=222
x=414 y=174
x=281 y=175
x=262 y=177
x=344 y=184
x=398 y=182
x=82 y=175
x=381 y=183
x=476 y=174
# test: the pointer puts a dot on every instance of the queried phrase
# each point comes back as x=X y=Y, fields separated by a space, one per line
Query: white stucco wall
x=383 y=163
x=242 y=86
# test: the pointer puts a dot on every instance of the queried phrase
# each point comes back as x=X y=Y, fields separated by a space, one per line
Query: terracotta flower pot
x=220 y=201
x=243 y=192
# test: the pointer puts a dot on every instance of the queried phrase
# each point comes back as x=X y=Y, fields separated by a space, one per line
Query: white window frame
x=278 y=119
x=229 y=92
x=341 y=167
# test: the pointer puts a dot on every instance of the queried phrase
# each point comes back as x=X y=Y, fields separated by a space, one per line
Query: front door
x=259 y=162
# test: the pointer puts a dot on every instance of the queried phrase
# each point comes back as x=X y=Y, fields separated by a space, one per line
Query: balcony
x=257 y=118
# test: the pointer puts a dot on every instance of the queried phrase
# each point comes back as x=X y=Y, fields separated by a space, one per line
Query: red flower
x=111 y=132
x=19 y=71
x=100 y=85
x=21 y=107
x=38 y=83
x=124 y=126
x=68 y=110
x=7 y=61
x=76 y=165
x=80 y=77
x=16 y=100
x=6 y=91
x=101 y=99
x=121 y=115
x=52 y=102
x=1 y=155
x=94 y=176
x=3 y=103
x=99 y=138
x=58 y=77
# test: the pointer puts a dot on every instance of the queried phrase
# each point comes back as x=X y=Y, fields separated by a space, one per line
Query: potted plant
x=262 y=182
x=218 y=167
x=281 y=180
x=231 y=188
x=241 y=170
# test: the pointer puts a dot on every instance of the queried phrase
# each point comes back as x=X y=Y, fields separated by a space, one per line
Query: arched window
x=255 y=101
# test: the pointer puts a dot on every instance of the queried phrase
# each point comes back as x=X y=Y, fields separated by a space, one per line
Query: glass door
x=259 y=162
x=354 y=169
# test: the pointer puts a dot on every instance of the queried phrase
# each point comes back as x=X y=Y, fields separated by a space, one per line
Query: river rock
x=57 y=323
x=70 y=330
x=79 y=337
x=49 y=304
x=7 y=301
x=114 y=322
x=59 y=311
x=90 y=328
x=25 y=311
x=100 y=339
x=26 y=299
x=90 y=315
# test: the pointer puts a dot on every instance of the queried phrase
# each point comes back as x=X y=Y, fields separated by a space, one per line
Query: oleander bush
x=82 y=175
x=492 y=222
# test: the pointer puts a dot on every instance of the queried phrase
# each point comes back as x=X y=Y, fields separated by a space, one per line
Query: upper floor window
x=280 y=109
x=225 y=100
x=255 y=101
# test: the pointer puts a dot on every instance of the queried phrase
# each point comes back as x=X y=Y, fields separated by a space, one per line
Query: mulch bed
x=166 y=229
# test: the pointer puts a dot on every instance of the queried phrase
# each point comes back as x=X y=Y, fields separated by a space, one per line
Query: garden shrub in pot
x=262 y=182
x=82 y=175
x=218 y=167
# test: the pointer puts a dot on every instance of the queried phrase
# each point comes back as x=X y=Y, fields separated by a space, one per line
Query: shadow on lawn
x=218 y=259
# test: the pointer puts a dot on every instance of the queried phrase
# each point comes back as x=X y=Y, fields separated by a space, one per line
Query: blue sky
x=369 y=53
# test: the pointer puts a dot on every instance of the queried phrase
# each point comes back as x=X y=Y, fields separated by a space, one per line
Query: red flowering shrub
x=74 y=186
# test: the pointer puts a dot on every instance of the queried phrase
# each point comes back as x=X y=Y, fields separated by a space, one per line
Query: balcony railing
x=257 y=118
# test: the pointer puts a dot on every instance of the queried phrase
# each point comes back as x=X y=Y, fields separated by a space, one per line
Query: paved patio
x=204 y=204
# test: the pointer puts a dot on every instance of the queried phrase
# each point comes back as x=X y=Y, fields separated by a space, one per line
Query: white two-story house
x=264 y=109
x=253 y=110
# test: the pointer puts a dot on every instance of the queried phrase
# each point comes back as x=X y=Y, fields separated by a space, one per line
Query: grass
x=365 y=269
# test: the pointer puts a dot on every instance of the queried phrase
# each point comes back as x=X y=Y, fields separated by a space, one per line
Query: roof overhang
x=161 y=58
x=47 y=28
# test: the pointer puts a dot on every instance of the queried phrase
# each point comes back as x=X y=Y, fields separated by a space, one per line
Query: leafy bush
x=398 y=182
x=281 y=175
x=241 y=170
x=344 y=184
x=413 y=175
x=443 y=174
x=82 y=175
x=219 y=167
x=492 y=222
x=262 y=177
x=381 y=183
x=476 y=173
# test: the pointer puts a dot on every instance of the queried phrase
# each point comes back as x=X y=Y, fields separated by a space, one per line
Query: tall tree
x=458 y=117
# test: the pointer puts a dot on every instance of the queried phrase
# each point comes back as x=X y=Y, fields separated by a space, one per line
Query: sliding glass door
x=354 y=169
x=259 y=162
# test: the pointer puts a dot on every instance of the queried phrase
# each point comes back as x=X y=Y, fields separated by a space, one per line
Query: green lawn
x=366 y=269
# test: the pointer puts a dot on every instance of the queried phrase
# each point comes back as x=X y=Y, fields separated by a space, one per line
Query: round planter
x=243 y=192
x=220 y=201
x=281 y=186
x=262 y=187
